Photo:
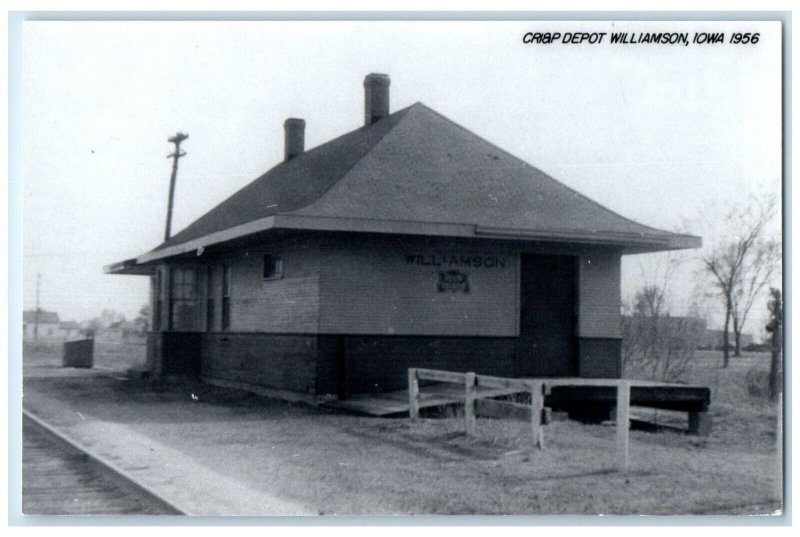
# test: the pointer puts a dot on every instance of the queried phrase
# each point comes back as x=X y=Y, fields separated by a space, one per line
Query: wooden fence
x=480 y=391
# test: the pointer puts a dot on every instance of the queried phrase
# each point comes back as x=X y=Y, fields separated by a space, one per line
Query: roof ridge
x=399 y=115
x=531 y=166
x=400 y=167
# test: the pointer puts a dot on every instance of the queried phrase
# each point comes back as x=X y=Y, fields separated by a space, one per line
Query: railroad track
x=60 y=477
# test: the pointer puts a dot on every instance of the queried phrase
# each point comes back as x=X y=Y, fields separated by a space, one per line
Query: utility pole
x=36 y=311
x=177 y=139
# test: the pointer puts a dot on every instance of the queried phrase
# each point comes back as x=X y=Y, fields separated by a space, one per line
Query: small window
x=273 y=267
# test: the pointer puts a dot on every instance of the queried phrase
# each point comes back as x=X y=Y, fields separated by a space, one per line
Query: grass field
x=117 y=357
x=739 y=419
x=340 y=464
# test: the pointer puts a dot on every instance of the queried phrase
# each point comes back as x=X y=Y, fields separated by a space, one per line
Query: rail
x=104 y=466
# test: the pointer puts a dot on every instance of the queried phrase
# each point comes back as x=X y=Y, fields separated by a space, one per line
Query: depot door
x=547 y=342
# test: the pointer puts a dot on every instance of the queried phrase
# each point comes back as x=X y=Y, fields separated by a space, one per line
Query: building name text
x=454 y=260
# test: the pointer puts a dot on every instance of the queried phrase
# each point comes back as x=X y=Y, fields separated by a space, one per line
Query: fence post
x=469 y=403
x=537 y=403
x=623 y=420
x=413 y=394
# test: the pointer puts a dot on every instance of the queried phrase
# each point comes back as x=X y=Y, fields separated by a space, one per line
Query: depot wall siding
x=350 y=314
x=390 y=287
x=289 y=303
x=599 y=295
x=368 y=286
x=286 y=304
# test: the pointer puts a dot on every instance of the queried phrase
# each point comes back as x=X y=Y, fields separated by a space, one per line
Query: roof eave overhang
x=627 y=242
x=630 y=243
x=129 y=266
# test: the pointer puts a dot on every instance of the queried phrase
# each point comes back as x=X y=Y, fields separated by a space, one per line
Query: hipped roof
x=415 y=172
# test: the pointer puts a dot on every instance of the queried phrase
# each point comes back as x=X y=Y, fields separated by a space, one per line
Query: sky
x=662 y=134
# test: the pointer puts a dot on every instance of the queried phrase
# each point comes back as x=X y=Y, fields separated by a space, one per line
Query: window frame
x=183 y=294
x=210 y=302
x=277 y=266
x=158 y=301
x=225 y=291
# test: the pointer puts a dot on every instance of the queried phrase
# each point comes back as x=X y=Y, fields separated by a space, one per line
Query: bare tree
x=764 y=262
x=742 y=264
x=109 y=316
x=775 y=327
x=656 y=344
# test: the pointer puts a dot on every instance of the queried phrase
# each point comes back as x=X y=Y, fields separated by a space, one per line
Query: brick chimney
x=376 y=97
x=295 y=137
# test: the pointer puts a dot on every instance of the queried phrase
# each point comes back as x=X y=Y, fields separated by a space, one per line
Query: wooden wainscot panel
x=380 y=363
x=282 y=361
x=600 y=357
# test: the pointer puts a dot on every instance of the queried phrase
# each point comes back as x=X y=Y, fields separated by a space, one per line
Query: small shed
x=39 y=325
x=409 y=241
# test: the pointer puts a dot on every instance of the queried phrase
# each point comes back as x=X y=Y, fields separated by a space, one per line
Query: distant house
x=409 y=241
x=120 y=331
x=133 y=329
x=111 y=333
x=41 y=325
x=70 y=330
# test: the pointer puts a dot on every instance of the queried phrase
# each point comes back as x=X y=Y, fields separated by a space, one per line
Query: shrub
x=660 y=347
x=757 y=382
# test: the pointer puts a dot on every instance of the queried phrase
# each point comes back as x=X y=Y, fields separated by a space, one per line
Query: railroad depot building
x=408 y=242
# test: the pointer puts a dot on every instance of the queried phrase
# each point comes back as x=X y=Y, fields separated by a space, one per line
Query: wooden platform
x=571 y=395
x=667 y=396
x=396 y=403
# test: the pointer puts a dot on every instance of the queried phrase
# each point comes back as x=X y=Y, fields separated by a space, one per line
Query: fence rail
x=481 y=403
